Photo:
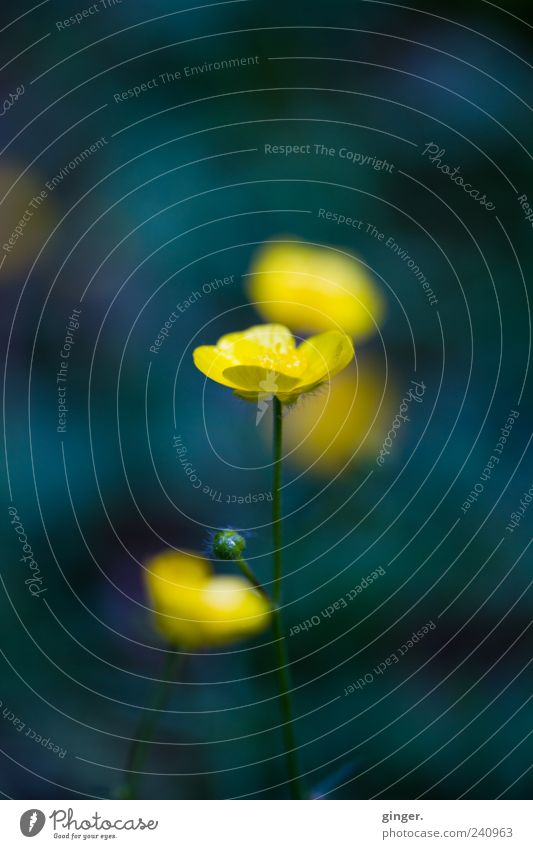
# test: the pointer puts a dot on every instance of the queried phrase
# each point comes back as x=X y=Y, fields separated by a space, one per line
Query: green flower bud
x=228 y=545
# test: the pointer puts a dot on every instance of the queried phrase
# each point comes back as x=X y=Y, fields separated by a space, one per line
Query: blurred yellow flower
x=311 y=288
x=264 y=360
x=194 y=608
x=345 y=422
x=27 y=226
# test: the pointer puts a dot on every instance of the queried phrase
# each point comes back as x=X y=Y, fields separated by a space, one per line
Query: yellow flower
x=344 y=424
x=311 y=288
x=17 y=189
x=194 y=608
x=264 y=360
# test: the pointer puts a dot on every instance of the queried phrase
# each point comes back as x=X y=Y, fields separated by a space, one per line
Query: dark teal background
x=185 y=194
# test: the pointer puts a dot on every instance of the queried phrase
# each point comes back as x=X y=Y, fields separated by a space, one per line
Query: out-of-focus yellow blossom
x=27 y=226
x=194 y=608
x=347 y=420
x=264 y=360
x=311 y=288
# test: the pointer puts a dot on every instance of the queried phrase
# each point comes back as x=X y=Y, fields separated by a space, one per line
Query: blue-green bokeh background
x=182 y=195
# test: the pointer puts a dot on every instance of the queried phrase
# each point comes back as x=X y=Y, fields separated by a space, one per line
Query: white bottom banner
x=268 y=824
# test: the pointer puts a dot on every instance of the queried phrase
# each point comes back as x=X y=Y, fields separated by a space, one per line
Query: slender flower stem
x=252 y=577
x=284 y=680
x=276 y=496
x=147 y=725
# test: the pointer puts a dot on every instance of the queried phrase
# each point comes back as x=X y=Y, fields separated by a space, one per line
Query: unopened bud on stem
x=228 y=545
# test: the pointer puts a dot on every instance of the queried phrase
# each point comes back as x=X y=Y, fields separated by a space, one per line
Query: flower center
x=286 y=362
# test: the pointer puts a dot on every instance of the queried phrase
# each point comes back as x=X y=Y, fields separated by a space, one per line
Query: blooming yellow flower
x=311 y=288
x=194 y=608
x=344 y=424
x=264 y=360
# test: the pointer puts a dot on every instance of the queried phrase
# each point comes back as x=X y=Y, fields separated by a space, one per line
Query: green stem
x=276 y=497
x=252 y=577
x=148 y=723
x=284 y=680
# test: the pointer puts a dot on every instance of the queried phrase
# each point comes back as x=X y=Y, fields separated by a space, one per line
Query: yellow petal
x=326 y=355
x=312 y=288
x=232 y=608
x=253 y=379
x=175 y=581
x=194 y=608
x=260 y=360
x=348 y=422
x=276 y=337
x=178 y=567
x=212 y=362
